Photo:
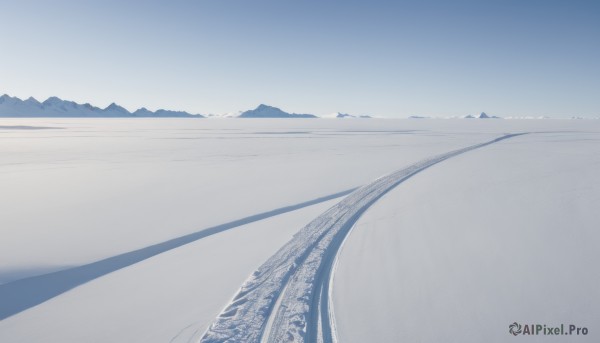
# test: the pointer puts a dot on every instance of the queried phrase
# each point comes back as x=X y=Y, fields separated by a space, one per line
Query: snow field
x=77 y=191
x=502 y=234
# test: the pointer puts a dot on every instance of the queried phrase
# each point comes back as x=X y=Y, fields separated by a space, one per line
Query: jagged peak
x=52 y=100
x=32 y=100
x=114 y=106
x=264 y=107
x=6 y=97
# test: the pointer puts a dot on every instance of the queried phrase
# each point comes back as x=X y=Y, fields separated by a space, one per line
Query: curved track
x=287 y=298
x=20 y=295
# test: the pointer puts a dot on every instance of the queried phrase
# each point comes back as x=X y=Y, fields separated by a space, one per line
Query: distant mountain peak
x=263 y=107
x=266 y=111
x=33 y=101
x=114 y=107
x=482 y=115
x=52 y=100
x=4 y=98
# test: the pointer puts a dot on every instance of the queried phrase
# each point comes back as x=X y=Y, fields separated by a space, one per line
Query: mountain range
x=56 y=107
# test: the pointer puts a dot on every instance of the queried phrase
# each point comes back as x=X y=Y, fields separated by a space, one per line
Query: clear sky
x=386 y=58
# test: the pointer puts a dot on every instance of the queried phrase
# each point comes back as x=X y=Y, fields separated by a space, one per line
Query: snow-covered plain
x=76 y=191
x=503 y=234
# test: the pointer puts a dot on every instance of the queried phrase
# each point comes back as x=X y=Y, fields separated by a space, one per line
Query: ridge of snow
x=226 y=115
x=345 y=115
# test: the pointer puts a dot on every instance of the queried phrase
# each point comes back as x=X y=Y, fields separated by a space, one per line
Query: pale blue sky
x=386 y=58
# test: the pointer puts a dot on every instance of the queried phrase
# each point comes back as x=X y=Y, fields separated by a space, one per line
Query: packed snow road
x=300 y=271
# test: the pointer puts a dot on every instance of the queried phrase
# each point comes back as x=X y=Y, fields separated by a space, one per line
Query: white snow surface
x=83 y=195
x=298 y=273
x=502 y=234
x=90 y=189
x=171 y=297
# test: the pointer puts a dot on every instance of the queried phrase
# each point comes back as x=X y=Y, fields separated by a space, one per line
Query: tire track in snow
x=297 y=277
x=22 y=294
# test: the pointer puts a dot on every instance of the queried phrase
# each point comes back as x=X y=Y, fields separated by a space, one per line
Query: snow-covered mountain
x=56 y=107
x=483 y=115
x=265 y=111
